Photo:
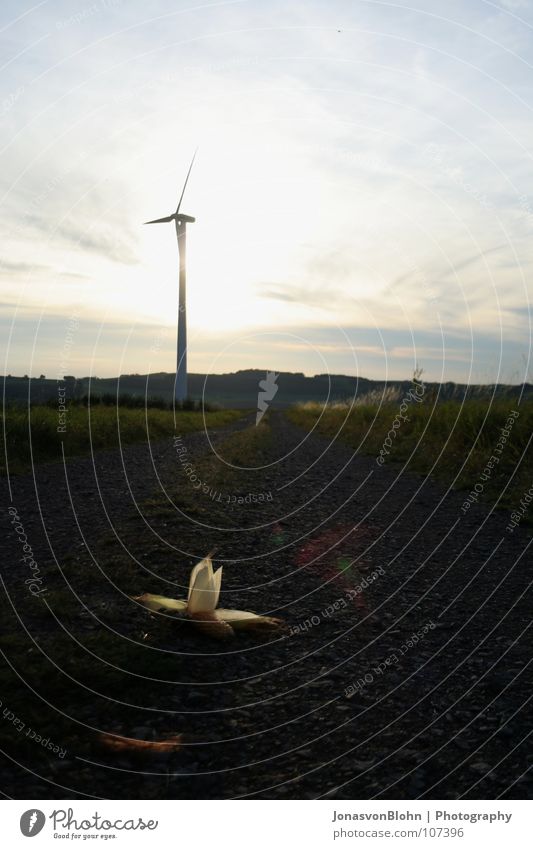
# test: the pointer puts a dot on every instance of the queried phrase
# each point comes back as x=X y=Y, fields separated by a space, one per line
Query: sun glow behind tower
x=181 y=221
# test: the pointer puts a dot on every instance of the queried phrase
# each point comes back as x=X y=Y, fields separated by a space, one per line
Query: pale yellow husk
x=201 y=606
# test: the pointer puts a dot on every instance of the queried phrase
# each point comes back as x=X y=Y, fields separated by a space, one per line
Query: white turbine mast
x=181 y=220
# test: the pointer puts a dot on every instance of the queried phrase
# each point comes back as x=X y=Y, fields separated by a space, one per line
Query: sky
x=363 y=188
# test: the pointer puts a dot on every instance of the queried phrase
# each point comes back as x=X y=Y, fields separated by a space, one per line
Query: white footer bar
x=268 y=824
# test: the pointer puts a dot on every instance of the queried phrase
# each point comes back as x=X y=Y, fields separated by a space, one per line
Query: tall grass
x=372 y=398
x=453 y=441
x=34 y=435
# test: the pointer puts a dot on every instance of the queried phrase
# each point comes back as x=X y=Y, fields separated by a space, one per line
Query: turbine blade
x=186 y=180
x=161 y=220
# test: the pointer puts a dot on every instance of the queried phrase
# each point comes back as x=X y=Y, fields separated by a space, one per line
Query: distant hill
x=238 y=389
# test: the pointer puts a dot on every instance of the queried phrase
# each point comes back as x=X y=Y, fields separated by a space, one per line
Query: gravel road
x=403 y=670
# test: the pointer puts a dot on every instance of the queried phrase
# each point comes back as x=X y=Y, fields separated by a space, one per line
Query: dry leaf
x=131 y=746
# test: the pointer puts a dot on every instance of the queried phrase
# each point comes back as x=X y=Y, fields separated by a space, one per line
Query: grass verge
x=36 y=434
x=478 y=445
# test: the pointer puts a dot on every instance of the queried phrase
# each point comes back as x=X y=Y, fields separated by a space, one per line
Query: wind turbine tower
x=181 y=221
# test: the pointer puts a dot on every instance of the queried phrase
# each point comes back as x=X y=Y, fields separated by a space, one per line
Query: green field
x=460 y=443
x=38 y=434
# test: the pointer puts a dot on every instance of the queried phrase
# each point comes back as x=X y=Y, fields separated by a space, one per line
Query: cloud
x=22 y=270
x=117 y=245
x=465 y=262
x=290 y=293
x=12 y=267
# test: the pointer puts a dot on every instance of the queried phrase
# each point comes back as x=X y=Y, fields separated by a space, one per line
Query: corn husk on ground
x=115 y=744
x=201 y=606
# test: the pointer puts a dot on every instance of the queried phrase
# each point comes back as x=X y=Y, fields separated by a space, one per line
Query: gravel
x=337 y=705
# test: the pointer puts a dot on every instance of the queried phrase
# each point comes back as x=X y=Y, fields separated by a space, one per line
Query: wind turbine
x=181 y=220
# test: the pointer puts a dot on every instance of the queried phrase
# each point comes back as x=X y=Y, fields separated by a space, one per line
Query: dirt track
x=342 y=704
